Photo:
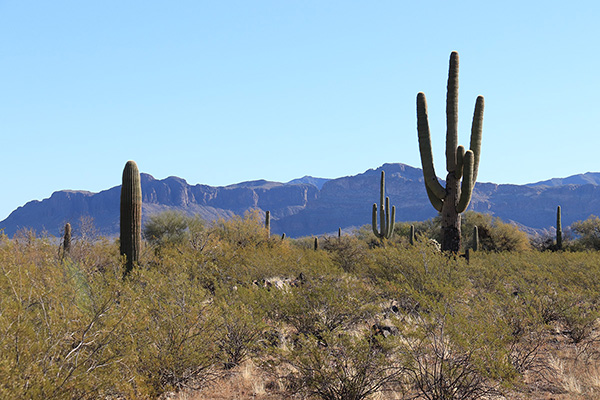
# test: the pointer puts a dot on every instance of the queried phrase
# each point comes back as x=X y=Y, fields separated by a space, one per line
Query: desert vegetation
x=222 y=310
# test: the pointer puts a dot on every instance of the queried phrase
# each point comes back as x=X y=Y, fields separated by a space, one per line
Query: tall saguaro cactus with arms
x=462 y=166
x=386 y=220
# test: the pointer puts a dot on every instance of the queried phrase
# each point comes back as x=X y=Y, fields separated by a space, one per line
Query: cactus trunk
x=131 y=215
x=67 y=239
x=559 y=242
x=268 y=223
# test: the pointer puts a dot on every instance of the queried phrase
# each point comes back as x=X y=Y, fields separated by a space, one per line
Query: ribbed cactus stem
x=460 y=164
x=411 y=237
x=268 y=223
x=558 y=229
x=131 y=215
x=475 y=238
x=67 y=239
x=387 y=218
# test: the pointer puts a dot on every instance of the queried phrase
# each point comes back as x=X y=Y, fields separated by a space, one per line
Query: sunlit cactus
x=460 y=164
x=268 y=223
x=131 y=215
x=386 y=219
x=475 y=238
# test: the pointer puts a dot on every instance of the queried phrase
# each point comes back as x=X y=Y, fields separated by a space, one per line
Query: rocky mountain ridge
x=301 y=208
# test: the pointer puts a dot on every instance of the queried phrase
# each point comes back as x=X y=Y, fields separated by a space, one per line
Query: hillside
x=301 y=208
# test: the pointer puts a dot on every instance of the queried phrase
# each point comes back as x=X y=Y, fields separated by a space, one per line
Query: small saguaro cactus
x=411 y=237
x=67 y=239
x=558 y=229
x=386 y=220
x=268 y=223
x=455 y=197
x=316 y=245
x=475 y=238
x=339 y=233
x=131 y=215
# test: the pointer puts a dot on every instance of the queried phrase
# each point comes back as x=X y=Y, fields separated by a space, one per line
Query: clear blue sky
x=219 y=92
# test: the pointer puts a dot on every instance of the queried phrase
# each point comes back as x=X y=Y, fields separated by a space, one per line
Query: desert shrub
x=60 y=328
x=347 y=252
x=168 y=227
x=240 y=326
x=494 y=235
x=173 y=335
x=588 y=232
x=456 y=352
x=320 y=305
x=350 y=367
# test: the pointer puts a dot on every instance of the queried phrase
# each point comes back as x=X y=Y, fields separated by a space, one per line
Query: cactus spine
x=455 y=197
x=131 y=215
x=386 y=221
x=475 y=238
x=558 y=230
x=268 y=223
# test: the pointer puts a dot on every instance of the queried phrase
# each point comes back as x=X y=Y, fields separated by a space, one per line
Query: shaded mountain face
x=301 y=208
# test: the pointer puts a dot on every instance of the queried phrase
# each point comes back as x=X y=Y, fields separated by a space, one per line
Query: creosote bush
x=348 y=321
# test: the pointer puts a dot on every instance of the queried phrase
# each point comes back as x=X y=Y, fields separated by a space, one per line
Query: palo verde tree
x=455 y=197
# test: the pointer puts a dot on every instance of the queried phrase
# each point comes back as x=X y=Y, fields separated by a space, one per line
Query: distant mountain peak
x=589 y=178
x=310 y=180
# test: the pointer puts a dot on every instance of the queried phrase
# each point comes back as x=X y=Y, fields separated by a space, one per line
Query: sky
x=220 y=92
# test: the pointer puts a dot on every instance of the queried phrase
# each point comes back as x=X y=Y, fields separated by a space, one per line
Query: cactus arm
x=460 y=155
x=431 y=180
x=375 y=231
x=435 y=201
x=476 y=131
x=466 y=188
x=392 y=223
x=452 y=113
x=386 y=231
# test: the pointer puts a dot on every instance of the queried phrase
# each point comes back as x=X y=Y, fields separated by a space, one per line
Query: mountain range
x=314 y=206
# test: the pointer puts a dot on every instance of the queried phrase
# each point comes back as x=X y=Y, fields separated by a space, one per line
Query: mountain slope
x=301 y=209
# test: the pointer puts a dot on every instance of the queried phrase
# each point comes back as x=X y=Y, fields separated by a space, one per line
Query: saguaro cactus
x=475 y=238
x=386 y=221
x=411 y=237
x=455 y=197
x=67 y=239
x=268 y=223
x=558 y=229
x=131 y=215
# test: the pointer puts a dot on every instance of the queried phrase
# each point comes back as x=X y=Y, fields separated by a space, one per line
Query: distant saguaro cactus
x=411 y=237
x=386 y=221
x=559 y=242
x=455 y=197
x=67 y=239
x=268 y=223
x=316 y=245
x=131 y=215
x=475 y=238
